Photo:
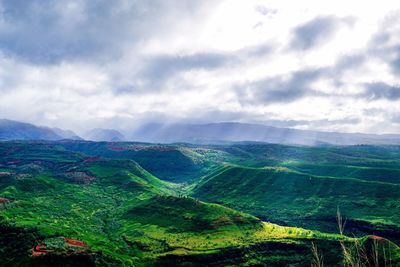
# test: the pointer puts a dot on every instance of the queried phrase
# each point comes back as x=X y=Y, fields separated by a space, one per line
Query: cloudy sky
x=77 y=64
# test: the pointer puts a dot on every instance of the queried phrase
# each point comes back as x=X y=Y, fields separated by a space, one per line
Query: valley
x=197 y=133
x=241 y=204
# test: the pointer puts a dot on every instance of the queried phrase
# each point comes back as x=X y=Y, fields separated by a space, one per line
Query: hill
x=108 y=135
x=14 y=130
x=79 y=203
x=66 y=134
x=113 y=212
x=188 y=163
x=289 y=197
x=175 y=163
x=212 y=133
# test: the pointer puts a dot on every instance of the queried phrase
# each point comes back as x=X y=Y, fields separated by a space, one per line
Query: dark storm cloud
x=281 y=89
x=37 y=32
x=388 y=116
x=34 y=32
x=313 y=123
x=348 y=62
x=315 y=32
x=395 y=62
x=158 y=70
x=299 y=84
x=395 y=118
x=386 y=51
x=381 y=90
x=385 y=45
x=163 y=67
x=286 y=89
x=49 y=31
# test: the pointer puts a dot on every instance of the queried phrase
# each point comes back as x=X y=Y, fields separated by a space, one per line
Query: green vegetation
x=283 y=195
x=182 y=164
x=103 y=195
x=303 y=186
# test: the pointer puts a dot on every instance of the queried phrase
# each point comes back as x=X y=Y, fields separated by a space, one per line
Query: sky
x=321 y=65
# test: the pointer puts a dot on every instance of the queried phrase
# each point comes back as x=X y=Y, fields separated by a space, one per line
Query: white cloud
x=76 y=64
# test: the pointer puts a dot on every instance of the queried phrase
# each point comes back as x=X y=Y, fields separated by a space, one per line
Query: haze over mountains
x=14 y=130
x=108 y=135
x=212 y=133
x=237 y=132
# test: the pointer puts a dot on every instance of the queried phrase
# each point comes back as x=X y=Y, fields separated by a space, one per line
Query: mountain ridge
x=207 y=133
x=15 y=130
x=108 y=135
x=240 y=132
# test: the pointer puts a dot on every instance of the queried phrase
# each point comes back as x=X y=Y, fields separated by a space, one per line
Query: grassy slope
x=283 y=195
x=368 y=163
x=387 y=175
x=125 y=214
x=187 y=163
x=174 y=163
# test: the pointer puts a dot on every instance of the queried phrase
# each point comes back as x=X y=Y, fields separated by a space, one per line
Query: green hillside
x=290 y=197
x=123 y=215
x=258 y=155
x=75 y=203
x=365 y=188
x=174 y=163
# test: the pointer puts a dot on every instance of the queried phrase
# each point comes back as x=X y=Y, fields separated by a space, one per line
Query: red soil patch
x=4 y=200
x=80 y=177
x=221 y=221
x=39 y=250
x=137 y=147
x=2 y=174
x=118 y=148
x=239 y=219
x=37 y=253
x=161 y=148
x=75 y=242
x=375 y=237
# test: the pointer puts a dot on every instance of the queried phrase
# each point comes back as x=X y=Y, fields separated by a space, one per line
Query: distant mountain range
x=212 y=133
x=237 y=132
x=14 y=130
x=108 y=135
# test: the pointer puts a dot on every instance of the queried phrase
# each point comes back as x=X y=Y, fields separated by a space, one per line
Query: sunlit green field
x=129 y=217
